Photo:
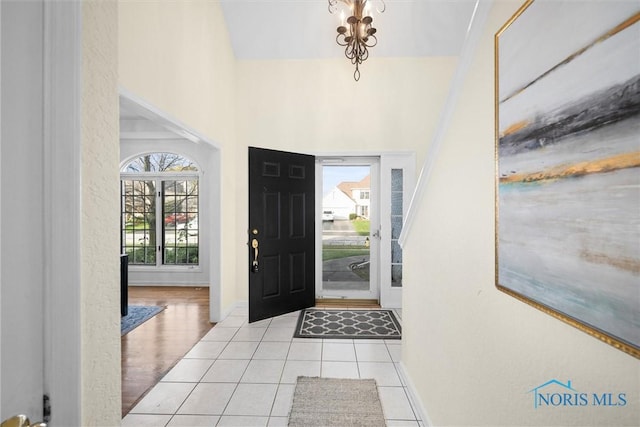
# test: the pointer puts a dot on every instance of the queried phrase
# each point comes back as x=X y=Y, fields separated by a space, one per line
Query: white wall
x=471 y=351
x=316 y=106
x=176 y=56
x=100 y=269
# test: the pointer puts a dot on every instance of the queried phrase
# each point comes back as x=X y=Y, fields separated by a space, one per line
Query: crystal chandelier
x=356 y=34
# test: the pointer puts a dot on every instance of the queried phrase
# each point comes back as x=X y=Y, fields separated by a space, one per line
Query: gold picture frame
x=567 y=100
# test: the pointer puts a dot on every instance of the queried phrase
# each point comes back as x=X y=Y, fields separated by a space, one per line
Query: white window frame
x=374 y=279
x=159 y=177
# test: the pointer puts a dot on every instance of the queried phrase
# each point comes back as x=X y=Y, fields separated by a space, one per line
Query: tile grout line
x=200 y=382
x=273 y=404
x=239 y=379
x=355 y=353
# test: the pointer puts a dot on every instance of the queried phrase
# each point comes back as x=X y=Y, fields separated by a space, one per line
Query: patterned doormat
x=350 y=324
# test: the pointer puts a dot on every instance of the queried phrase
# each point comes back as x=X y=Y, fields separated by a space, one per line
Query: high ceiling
x=304 y=29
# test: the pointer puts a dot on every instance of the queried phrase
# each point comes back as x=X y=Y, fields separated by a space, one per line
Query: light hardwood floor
x=153 y=348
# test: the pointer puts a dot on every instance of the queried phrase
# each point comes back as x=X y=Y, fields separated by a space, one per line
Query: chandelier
x=356 y=34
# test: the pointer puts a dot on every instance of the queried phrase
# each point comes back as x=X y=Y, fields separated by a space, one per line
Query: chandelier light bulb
x=367 y=9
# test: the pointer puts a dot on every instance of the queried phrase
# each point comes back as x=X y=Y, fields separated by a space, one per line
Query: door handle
x=254 y=264
x=21 y=421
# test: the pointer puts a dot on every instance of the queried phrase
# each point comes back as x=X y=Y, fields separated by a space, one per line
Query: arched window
x=159 y=210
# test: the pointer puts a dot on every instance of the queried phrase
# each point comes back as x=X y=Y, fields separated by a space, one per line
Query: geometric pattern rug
x=321 y=402
x=136 y=316
x=348 y=324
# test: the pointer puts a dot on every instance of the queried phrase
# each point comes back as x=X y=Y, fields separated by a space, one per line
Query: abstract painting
x=568 y=164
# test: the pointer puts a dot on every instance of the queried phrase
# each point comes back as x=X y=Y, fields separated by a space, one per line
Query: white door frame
x=391 y=297
x=62 y=209
x=23 y=196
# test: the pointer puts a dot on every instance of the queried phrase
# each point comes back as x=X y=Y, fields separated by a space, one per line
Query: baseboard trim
x=413 y=395
x=238 y=304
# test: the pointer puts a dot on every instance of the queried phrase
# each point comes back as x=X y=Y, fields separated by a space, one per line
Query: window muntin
x=160 y=162
x=138 y=220
x=180 y=227
x=160 y=198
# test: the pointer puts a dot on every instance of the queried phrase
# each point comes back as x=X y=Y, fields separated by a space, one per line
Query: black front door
x=281 y=232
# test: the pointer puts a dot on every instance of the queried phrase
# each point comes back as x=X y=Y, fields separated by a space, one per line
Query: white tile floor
x=244 y=374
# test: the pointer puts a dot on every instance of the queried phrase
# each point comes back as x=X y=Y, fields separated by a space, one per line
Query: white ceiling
x=304 y=29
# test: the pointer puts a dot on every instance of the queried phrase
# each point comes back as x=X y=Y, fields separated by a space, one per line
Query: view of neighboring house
x=349 y=198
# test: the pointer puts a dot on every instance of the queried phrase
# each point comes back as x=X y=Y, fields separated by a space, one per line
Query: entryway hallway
x=243 y=374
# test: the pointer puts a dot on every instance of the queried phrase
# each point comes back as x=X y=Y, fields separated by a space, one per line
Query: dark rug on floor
x=336 y=402
x=351 y=324
x=136 y=316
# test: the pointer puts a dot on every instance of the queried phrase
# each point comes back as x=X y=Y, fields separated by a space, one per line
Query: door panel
x=282 y=221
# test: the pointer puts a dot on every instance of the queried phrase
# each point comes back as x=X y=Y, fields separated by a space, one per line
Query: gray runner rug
x=338 y=402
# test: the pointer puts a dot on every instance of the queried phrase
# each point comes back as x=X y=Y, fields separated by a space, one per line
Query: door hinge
x=46 y=408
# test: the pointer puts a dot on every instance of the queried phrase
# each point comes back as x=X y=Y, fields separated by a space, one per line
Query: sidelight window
x=397 y=194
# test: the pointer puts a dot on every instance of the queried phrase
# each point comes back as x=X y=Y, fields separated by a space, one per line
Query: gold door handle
x=21 y=421
x=254 y=265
